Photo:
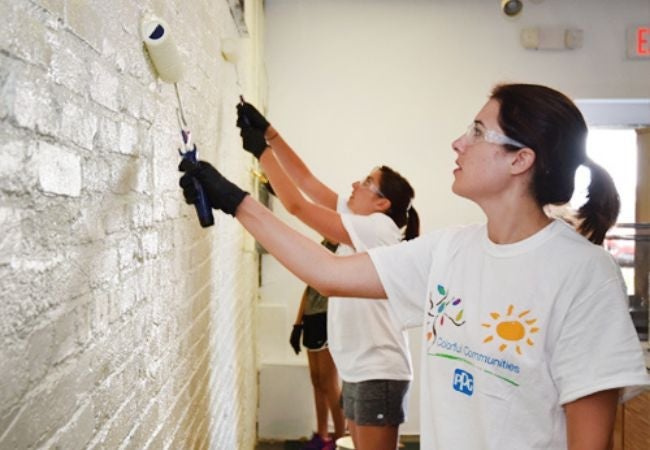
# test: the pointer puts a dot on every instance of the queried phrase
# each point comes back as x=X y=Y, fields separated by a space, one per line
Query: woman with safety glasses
x=527 y=343
x=368 y=346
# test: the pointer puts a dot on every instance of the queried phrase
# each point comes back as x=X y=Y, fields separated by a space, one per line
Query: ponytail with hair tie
x=553 y=126
x=400 y=193
x=601 y=210
x=412 y=224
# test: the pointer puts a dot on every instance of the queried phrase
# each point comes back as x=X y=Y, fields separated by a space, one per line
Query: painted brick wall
x=123 y=324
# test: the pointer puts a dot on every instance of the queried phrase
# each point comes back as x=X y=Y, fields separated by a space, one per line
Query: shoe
x=329 y=445
x=315 y=443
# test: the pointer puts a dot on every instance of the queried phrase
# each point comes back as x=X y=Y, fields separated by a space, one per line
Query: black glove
x=249 y=116
x=221 y=193
x=294 y=339
x=253 y=141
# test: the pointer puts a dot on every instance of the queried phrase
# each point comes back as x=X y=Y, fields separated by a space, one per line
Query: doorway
x=619 y=140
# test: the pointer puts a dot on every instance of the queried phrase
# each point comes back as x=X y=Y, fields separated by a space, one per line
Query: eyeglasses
x=369 y=184
x=476 y=132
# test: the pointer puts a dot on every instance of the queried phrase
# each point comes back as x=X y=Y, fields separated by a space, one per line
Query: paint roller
x=168 y=64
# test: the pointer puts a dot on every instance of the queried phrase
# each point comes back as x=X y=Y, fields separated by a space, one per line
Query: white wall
x=353 y=84
x=123 y=323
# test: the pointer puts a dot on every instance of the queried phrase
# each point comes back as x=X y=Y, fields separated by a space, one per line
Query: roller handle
x=243 y=117
x=202 y=205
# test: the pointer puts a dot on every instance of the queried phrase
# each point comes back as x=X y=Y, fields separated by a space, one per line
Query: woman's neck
x=507 y=225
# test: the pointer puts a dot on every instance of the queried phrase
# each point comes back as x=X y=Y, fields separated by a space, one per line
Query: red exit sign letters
x=638 y=42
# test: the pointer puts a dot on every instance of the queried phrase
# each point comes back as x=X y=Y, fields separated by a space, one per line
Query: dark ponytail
x=600 y=211
x=550 y=124
x=412 y=224
x=400 y=193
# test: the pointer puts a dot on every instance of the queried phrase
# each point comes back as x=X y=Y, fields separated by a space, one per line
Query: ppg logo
x=463 y=382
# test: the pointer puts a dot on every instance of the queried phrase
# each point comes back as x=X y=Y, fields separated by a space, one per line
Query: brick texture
x=125 y=325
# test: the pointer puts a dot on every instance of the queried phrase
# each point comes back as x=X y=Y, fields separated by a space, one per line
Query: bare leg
x=333 y=389
x=353 y=432
x=325 y=380
x=320 y=398
x=369 y=437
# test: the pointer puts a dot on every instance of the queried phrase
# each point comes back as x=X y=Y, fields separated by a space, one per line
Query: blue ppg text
x=463 y=382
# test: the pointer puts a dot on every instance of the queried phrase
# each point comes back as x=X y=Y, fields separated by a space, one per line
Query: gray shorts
x=375 y=402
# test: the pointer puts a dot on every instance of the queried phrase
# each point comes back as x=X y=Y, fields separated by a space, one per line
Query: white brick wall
x=123 y=323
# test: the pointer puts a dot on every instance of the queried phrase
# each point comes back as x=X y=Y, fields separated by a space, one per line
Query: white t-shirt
x=365 y=339
x=511 y=332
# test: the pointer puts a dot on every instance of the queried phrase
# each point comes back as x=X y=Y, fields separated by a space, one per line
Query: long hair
x=550 y=124
x=400 y=193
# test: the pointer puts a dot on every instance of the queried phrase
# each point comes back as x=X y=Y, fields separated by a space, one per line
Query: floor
x=408 y=443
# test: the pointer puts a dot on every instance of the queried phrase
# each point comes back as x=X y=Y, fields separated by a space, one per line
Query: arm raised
x=315 y=189
x=249 y=117
x=327 y=222
x=348 y=276
x=329 y=274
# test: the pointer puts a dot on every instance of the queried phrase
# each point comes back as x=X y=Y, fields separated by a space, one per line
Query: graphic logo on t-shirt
x=463 y=382
x=511 y=329
x=442 y=309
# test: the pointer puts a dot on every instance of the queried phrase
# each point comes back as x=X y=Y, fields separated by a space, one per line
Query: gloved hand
x=221 y=193
x=249 y=116
x=294 y=339
x=253 y=141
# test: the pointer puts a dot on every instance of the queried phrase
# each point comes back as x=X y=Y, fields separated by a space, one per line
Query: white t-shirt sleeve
x=602 y=322
x=369 y=231
x=404 y=270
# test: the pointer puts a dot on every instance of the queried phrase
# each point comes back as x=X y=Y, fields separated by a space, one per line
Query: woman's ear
x=523 y=160
x=383 y=204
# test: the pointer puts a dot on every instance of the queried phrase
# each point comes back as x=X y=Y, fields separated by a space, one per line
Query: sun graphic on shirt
x=512 y=329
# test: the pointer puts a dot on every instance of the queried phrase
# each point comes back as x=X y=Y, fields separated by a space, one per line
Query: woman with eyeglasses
x=367 y=344
x=527 y=340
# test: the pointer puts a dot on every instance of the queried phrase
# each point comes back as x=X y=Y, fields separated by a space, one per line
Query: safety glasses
x=476 y=133
x=369 y=184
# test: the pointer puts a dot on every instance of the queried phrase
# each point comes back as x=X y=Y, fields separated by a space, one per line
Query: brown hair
x=400 y=193
x=550 y=124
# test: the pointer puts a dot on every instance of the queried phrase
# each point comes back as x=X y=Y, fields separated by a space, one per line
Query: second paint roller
x=167 y=62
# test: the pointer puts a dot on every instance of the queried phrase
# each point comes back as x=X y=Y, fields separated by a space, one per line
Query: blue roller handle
x=203 y=208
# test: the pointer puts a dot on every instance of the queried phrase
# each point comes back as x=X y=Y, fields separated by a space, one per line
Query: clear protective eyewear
x=369 y=184
x=476 y=132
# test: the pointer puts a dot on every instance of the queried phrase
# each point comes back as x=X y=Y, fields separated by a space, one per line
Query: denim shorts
x=375 y=402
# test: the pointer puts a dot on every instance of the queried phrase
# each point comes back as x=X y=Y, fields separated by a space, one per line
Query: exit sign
x=638 y=42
